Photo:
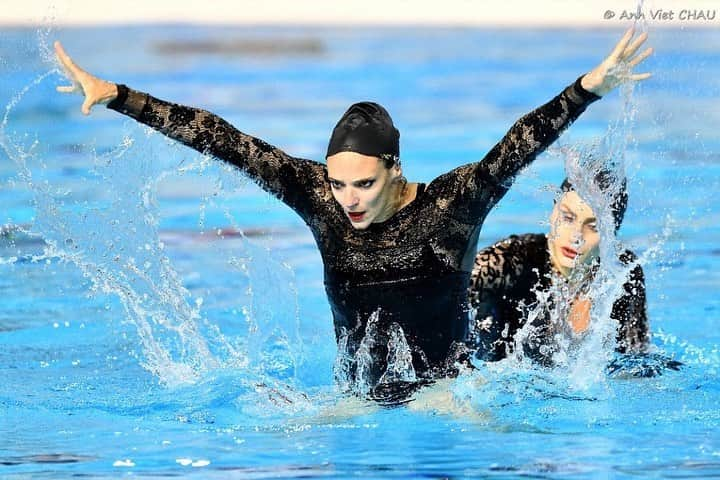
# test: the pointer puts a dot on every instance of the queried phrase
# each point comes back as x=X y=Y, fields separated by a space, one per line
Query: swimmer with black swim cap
x=397 y=256
x=364 y=134
x=521 y=270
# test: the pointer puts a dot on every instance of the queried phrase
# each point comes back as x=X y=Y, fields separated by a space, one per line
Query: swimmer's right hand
x=95 y=90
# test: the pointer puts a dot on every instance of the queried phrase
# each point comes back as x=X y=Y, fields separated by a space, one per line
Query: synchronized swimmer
x=397 y=255
x=552 y=274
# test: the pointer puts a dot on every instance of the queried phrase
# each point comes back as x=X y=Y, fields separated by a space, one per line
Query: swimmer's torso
x=513 y=277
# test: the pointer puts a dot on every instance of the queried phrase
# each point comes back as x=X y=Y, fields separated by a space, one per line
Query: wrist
x=585 y=90
x=121 y=94
x=109 y=92
x=588 y=85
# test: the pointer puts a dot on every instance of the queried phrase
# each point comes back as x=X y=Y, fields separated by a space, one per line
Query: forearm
x=290 y=179
x=196 y=128
x=534 y=132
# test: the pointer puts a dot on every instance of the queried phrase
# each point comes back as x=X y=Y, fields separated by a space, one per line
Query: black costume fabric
x=513 y=277
x=413 y=269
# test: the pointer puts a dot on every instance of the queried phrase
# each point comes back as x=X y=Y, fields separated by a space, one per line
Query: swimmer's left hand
x=95 y=90
x=617 y=67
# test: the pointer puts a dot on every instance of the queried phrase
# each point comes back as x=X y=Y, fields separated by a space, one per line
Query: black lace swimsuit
x=414 y=268
x=513 y=277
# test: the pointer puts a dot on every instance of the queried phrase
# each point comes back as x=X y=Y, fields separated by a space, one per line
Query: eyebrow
x=355 y=182
x=565 y=207
x=570 y=210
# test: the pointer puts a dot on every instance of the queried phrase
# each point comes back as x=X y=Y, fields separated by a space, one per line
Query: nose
x=576 y=237
x=350 y=198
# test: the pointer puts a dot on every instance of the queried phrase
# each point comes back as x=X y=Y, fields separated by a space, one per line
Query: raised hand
x=95 y=90
x=617 y=67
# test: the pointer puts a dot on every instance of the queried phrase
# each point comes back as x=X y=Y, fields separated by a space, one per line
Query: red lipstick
x=356 y=216
x=569 y=252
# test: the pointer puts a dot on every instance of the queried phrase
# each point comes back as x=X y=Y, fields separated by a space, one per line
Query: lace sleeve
x=297 y=182
x=475 y=188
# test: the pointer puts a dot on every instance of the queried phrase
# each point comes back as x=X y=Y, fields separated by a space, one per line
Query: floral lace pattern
x=515 y=273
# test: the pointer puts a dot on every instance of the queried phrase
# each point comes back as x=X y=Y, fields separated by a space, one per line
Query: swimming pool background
x=75 y=397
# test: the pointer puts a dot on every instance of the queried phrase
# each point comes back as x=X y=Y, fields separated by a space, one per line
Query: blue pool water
x=161 y=316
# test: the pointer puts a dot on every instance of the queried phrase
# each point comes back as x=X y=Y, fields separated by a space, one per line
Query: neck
x=402 y=194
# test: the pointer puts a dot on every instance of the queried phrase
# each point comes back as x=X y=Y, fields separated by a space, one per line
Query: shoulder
x=628 y=257
x=517 y=249
x=636 y=276
x=471 y=177
x=525 y=243
x=508 y=263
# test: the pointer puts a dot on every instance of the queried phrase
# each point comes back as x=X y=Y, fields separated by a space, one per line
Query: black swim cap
x=607 y=182
x=366 y=128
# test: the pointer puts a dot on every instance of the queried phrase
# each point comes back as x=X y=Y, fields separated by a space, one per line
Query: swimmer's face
x=363 y=187
x=574 y=237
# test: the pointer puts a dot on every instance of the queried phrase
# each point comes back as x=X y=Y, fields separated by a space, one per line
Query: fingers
x=635 y=61
x=65 y=59
x=62 y=55
x=630 y=51
x=620 y=47
x=86 y=106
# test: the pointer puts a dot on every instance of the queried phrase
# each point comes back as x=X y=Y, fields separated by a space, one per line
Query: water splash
x=114 y=241
x=364 y=381
x=356 y=372
x=399 y=359
x=343 y=365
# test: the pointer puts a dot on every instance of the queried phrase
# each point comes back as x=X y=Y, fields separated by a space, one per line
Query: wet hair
x=366 y=128
x=610 y=185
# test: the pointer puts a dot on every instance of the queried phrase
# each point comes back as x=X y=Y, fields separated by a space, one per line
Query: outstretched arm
x=534 y=132
x=299 y=183
x=480 y=185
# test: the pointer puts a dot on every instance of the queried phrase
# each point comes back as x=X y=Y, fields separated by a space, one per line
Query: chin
x=567 y=263
x=367 y=221
x=359 y=226
x=570 y=263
